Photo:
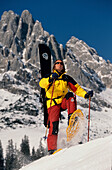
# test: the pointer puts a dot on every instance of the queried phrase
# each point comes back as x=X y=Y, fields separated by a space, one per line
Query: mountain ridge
x=21 y=112
x=19 y=64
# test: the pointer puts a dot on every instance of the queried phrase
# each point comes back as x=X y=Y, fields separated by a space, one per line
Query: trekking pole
x=89 y=118
x=50 y=106
x=45 y=137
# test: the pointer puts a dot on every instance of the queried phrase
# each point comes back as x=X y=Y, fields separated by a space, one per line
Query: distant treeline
x=15 y=158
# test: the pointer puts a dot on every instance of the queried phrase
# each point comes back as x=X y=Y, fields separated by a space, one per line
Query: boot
x=50 y=152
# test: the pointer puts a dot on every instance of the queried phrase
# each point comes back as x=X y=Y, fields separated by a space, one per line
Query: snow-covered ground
x=94 y=155
x=34 y=134
x=106 y=95
x=100 y=127
x=7 y=98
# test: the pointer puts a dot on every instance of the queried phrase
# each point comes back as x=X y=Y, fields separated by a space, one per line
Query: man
x=58 y=97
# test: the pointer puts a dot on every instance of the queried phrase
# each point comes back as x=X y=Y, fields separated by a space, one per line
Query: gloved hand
x=89 y=94
x=54 y=76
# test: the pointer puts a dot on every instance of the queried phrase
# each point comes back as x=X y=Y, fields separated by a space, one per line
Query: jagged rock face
x=19 y=39
x=8 y=28
x=19 y=65
x=89 y=69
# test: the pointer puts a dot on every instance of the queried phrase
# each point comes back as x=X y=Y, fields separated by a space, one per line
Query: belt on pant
x=53 y=99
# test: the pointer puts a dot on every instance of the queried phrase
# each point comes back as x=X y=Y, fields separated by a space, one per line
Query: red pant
x=69 y=103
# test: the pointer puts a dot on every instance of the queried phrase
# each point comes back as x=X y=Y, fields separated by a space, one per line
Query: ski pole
x=89 y=118
x=45 y=137
x=50 y=106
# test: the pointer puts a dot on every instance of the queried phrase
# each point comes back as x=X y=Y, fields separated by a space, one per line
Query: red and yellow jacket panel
x=61 y=87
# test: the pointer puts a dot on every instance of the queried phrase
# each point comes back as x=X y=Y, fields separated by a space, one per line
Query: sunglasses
x=59 y=63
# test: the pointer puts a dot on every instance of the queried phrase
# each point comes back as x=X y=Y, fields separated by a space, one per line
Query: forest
x=16 y=158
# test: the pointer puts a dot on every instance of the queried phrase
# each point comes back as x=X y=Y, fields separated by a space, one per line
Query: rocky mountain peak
x=19 y=39
x=27 y=17
x=20 y=64
x=90 y=69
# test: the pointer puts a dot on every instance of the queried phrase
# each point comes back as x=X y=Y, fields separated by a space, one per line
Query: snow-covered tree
x=1 y=157
x=25 y=148
x=33 y=155
x=11 y=157
x=41 y=151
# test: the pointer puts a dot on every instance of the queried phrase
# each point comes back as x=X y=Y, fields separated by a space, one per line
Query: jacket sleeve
x=75 y=87
x=44 y=82
x=80 y=91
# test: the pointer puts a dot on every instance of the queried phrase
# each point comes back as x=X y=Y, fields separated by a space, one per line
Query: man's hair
x=63 y=66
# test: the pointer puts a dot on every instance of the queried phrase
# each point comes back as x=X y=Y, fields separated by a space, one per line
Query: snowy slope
x=20 y=108
x=100 y=125
x=7 y=98
x=95 y=155
x=34 y=134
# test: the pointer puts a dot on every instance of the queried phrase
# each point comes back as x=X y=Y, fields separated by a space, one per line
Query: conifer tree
x=25 y=151
x=41 y=149
x=25 y=148
x=12 y=162
x=10 y=156
x=33 y=156
x=1 y=157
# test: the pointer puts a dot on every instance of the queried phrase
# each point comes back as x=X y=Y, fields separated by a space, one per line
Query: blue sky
x=88 y=20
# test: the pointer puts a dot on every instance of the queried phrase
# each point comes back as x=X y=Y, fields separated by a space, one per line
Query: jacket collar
x=60 y=74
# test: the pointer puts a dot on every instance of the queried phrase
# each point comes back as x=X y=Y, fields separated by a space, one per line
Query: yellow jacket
x=61 y=87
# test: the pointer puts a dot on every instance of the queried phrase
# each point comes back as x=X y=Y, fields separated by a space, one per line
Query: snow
x=106 y=95
x=100 y=126
x=79 y=155
x=7 y=98
x=9 y=74
x=34 y=134
x=94 y=155
x=24 y=52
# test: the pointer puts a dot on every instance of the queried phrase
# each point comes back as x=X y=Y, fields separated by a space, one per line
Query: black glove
x=54 y=76
x=89 y=94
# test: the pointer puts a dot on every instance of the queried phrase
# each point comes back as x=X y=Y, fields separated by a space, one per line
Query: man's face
x=58 y=65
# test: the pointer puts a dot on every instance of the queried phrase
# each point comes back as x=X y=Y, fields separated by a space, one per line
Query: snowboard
x=77 y=119
x=45 y=68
